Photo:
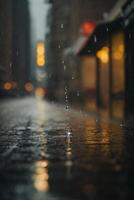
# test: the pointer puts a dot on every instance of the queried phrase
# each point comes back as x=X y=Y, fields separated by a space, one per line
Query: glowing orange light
x=28 y=87
x=121 y=48
x=7 y=86
x=103 y=55
x=117 y=55
x=40 y=54
x=40 y=92
x=88 y=27
x=118 y=52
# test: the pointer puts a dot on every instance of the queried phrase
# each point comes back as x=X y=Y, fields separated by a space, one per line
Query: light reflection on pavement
x=50 y=153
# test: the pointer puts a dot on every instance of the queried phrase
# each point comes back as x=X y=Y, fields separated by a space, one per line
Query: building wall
x=67 y=17
x=21 y=43
x=14 y=45
x=58 y=42
x=128 y=15
x=118 y=58
x=129 y=68
x=5 y=41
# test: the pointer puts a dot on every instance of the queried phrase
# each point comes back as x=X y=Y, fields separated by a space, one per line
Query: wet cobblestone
x=47 y=152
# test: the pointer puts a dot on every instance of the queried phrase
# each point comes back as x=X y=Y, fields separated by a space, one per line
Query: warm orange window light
x=118 y=52
x=40 y=54
x=103 y=55
x=28 y=87
x=7 y=86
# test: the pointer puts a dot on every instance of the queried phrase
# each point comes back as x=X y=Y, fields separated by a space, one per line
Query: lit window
x=40 y=54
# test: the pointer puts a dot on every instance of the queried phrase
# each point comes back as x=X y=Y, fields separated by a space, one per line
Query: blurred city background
x=79 y=49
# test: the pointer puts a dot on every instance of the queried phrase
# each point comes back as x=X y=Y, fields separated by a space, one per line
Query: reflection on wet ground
x=48 y=152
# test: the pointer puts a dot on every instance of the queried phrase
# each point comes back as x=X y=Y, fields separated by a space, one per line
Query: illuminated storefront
x=103 y=65
x=109 y=68
x=118 y=74
x=88 y=80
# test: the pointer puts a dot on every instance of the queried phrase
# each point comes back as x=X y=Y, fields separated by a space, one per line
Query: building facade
x=67 y=18
x=113 y=51
x=5 y=42
x=14 y=46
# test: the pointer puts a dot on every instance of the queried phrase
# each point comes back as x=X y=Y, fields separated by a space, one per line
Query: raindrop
x=95 y=38
x=59 y=46
x=65 y=90
x=62 y=26
x=67 y=107
x=78 y=93
x=69 y=133
x=107 y=29
x=10 y=65
x=64 y=67
x=17 y=52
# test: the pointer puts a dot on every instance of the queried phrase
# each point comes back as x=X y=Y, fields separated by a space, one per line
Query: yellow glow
x=7 y=86
x=41 y=186
x=118 y=52
x=105 y=49
x=42 y=164
x=28 y=87
x=117 y=55
x=121 y=48
x=103 y=55
x=40 y=92
x=40 y=54
x=41 y=176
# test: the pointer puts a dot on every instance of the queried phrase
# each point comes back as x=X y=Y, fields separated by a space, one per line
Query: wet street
x=48 y=152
